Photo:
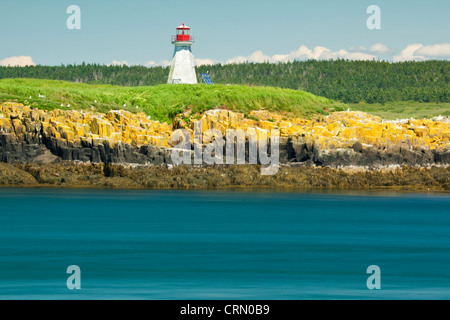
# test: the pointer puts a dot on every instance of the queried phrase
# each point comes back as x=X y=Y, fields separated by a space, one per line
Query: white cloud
x=419 y=52
x=19 y=61
x=436 y=50
x=204 y=62
x=357 y=56
x=303 y=53
x=163 y=63
x=257 y=56
x=150 y=63
x=379 y=48
x=120 y=63
x=358 y=49
x=415 y=51
x=409 y=53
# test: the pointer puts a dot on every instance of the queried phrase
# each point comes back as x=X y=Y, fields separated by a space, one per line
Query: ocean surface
x=223 y=244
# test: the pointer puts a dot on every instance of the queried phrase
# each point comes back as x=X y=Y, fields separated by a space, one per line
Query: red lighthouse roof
x=183 y=27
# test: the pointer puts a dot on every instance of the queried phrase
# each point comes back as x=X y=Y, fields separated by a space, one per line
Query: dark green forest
x=342 y=80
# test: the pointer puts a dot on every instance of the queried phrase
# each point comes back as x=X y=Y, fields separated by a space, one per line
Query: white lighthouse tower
x=182 y=69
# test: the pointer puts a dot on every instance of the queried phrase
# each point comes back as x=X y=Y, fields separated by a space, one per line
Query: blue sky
x=138 y=31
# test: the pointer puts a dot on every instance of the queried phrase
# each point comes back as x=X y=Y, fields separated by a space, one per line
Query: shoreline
x=71 y=175
x=374 y=190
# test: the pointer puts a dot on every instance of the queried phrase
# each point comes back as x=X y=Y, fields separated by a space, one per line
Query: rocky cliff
x=30 y=135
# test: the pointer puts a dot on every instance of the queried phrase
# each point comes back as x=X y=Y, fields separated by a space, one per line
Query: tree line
x=342 y=80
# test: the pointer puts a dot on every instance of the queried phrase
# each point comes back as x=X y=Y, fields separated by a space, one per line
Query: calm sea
x=223 y=245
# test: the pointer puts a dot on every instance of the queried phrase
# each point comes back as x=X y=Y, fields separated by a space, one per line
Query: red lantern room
x=183 y=35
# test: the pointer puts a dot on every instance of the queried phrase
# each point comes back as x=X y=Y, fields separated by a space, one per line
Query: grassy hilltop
x=340 y=80
x=162 y=102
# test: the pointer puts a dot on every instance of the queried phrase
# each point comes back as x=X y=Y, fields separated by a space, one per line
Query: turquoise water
x=222 y=245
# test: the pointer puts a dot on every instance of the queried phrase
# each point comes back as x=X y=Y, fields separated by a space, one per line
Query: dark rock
x=66 y=154
x=357 y=147
x=34 y=144
x=442 y=156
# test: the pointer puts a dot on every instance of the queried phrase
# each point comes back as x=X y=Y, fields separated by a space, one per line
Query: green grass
x=404 y=109
x=163 y=102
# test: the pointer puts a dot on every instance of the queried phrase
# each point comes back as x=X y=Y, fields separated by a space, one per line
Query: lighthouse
x=182 y=69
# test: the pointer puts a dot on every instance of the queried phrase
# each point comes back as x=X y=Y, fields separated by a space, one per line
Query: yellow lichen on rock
x=74 y=126
x=337 y=130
